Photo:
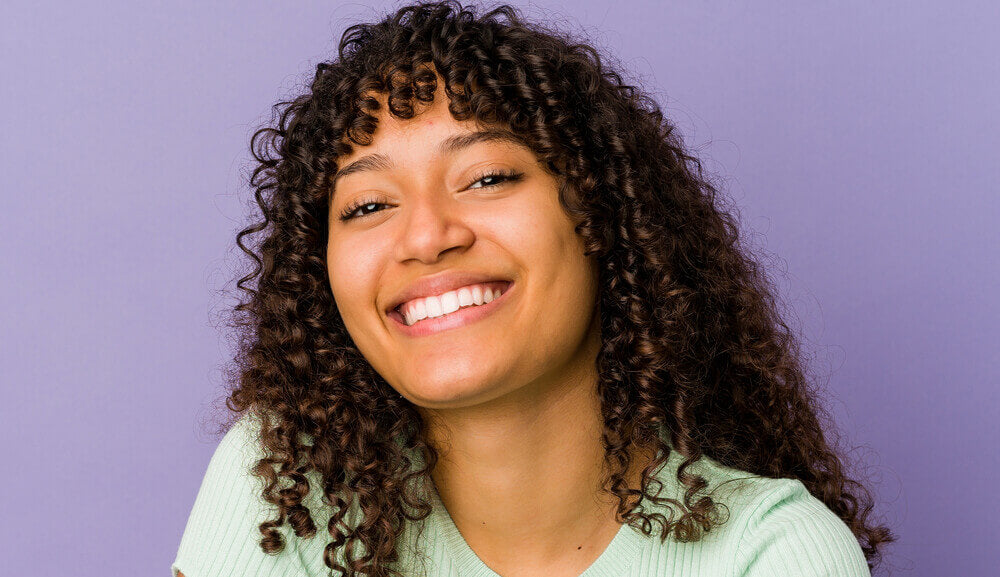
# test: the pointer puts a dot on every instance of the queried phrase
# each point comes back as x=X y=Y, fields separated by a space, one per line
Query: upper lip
x=440 y=283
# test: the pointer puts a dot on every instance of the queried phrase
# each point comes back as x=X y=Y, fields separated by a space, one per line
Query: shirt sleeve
x=791 y=532
x=221 y=538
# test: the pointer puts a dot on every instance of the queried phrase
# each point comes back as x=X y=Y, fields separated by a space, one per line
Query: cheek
x=531 y=228
x=544 y=236
x=350 y=274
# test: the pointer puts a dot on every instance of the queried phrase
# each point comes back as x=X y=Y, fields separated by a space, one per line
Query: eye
x=349 y=212
x=368 y=206
x=499 y=177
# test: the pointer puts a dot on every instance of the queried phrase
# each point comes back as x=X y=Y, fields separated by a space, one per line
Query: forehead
x=431 y=123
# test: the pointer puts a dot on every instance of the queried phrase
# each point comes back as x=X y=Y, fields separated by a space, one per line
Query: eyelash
x=506 y=176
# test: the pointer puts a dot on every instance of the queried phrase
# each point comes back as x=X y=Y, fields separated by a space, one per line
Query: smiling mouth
x=429 y=317
x=501 y=284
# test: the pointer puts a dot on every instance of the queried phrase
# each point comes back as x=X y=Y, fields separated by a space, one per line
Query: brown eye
x=349 y=212
x=497 y=178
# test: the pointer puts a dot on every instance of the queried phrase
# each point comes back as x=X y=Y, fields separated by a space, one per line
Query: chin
x=443 y=393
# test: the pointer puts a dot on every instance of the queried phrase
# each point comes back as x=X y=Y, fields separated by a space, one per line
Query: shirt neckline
x=616 y=558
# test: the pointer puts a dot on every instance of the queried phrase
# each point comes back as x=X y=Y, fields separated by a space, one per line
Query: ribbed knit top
x=775 y=528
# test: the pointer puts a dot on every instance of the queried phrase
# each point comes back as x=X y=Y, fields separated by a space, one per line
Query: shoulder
x=222 y=535
x=238 y=449
x=769 y=527
x=229 y=477
x=785 y=530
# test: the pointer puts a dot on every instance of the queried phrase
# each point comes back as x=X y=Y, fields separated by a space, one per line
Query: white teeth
x=464 y=297
x=433 y=307
x=449 y=302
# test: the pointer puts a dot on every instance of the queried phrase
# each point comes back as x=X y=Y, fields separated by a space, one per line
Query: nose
x=433 y=225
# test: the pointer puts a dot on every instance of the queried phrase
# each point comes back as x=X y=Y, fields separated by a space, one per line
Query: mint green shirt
x=776 y=528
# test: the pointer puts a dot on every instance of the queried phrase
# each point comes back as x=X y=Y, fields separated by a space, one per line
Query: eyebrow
x=450 y=145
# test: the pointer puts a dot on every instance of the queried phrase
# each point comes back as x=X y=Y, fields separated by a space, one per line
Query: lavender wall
x=860 y=142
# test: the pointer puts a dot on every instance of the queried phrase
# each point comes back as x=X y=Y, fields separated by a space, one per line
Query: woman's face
x=436 y=218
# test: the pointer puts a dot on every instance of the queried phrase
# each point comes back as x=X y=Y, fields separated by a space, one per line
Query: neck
x=522 y=475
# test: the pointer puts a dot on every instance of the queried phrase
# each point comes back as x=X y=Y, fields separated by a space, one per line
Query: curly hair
x=692 y=339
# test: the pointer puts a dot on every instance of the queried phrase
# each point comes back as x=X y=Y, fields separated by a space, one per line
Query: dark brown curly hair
x=692 y=339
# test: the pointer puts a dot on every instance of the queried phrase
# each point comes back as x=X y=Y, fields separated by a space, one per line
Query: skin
x=510 y=401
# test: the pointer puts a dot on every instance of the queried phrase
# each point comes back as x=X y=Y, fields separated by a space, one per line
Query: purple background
x=860 y=143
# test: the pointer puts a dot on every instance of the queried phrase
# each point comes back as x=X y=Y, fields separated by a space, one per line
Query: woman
x=501 y=328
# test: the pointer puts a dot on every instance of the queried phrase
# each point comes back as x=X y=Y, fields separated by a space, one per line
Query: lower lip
x=460 y=318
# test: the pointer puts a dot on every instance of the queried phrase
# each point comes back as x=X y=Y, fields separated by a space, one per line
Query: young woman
x=500 y=328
